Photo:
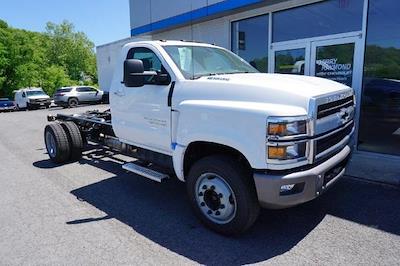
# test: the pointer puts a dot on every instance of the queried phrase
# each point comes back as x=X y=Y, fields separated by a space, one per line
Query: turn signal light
x=277 y=152
x=277 y=129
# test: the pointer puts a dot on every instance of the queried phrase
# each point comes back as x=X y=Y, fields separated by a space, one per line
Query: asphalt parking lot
x=93 y=212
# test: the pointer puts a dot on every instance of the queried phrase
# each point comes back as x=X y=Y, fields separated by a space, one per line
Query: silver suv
x=73 y=96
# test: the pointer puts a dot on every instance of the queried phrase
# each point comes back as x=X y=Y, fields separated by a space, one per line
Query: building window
x=250 y=41
x=324 y=18
x=380 y=105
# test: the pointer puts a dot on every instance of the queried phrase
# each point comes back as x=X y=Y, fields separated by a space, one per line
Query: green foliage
x=55 y=77
x=59 y=57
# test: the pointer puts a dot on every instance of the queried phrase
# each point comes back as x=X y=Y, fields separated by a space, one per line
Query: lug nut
x=220 y=195
x=204 y=187
x=222 y=206
x=212 y=187
x=202 y=204
x=201 y=194
x=209 y=212
x=217 y=213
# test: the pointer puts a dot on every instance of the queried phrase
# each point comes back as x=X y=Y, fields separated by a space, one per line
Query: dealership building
x=355 y=42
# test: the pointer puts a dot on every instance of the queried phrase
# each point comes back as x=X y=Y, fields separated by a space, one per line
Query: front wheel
x=222 y=195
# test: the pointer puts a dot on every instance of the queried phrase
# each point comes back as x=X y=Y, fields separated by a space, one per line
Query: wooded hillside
x=59 y=56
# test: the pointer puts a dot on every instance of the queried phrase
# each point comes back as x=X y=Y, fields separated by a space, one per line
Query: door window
x=290 y=61
x=150 y=62
x=335 y=62
x=84 y=89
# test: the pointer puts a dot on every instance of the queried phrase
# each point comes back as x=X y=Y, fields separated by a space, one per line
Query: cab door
x=141 y=115
x=23 y=102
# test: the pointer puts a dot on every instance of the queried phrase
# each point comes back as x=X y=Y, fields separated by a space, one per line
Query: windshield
x=35 y=93
x=198 y=61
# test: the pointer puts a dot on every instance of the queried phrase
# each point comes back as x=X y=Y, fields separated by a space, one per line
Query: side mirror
x=163 y=79
x=133 y=73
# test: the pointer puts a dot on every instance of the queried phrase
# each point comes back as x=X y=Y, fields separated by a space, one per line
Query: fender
x=218 y=122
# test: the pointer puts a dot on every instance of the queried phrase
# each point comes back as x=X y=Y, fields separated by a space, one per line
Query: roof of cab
x=29 y=89
x=173 y=42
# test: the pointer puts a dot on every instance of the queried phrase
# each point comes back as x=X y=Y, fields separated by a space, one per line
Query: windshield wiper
x=206 y=75
x=222 y=73
x=235 y=72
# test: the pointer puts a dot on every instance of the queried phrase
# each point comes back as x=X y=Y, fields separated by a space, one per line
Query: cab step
x=145 y=172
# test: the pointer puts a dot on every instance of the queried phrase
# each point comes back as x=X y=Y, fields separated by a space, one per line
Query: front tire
x=222 y=195
x=57 y=144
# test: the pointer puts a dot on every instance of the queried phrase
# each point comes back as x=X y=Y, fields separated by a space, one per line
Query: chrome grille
x=327 y=109
x=325 y=143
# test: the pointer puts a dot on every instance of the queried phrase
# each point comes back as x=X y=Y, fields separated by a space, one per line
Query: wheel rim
x=51 y=144
x=73 y=103
x=215 y=198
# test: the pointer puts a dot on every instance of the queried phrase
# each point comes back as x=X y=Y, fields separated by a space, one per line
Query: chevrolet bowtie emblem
x=344 y=115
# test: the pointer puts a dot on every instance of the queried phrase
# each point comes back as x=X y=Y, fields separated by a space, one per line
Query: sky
x=103 y=21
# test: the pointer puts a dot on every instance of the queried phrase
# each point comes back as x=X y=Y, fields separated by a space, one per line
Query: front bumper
x=309 y=184
x=7 y=108
x=39 y=103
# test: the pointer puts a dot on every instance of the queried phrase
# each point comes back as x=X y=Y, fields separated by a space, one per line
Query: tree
x=55 y=77
x=58 y=57
x=70 y=49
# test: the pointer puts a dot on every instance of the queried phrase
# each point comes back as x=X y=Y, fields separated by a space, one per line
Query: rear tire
x=57 y=143
x=75 y=139
x=73 y=102
x=222 y=195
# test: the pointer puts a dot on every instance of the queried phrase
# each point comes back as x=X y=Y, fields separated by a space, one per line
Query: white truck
x=31 y=98
x=240 y=139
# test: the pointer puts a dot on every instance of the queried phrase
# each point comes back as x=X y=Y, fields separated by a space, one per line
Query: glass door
x=330 y=57
x=335 y=60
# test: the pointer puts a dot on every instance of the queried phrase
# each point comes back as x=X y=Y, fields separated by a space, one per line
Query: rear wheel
x=73 y=102
x=222 y=195
x=75 y=139
x=57 y=143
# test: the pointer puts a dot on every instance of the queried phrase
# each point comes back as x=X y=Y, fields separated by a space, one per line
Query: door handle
x=119 y=93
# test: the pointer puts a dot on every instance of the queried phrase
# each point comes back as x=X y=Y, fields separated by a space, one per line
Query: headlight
x=287 y=152
x=284 y=129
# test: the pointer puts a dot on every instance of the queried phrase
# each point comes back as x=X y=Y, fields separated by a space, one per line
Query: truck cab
x=240 y=139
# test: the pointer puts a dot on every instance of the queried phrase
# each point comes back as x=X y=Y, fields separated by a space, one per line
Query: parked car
x=6 y=105
x=73 y=96
x=240 y=139
x=31 y=98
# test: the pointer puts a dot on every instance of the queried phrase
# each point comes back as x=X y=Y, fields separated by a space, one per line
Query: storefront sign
x=331 y=69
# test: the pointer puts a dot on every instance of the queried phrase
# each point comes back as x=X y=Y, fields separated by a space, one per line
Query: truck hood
x=282 y=89
x=6 y=103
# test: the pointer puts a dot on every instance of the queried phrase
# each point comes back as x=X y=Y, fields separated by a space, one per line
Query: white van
x=31 y=98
